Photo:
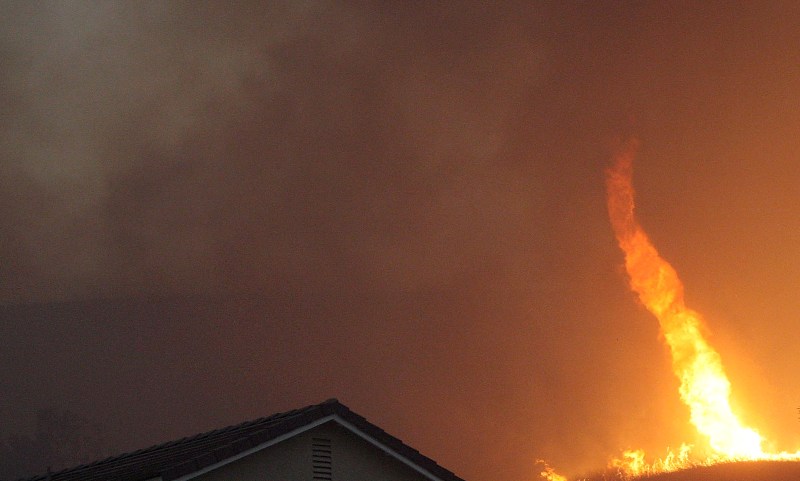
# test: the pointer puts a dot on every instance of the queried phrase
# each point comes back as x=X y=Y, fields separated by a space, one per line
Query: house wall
x=352 y=459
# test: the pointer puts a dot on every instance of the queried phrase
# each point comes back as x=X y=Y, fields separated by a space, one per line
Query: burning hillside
x=725 y=471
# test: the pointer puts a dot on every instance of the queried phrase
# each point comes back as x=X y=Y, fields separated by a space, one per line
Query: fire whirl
x=704 y=386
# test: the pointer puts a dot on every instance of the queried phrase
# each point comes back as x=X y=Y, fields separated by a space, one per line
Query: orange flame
x=704 y=386
x=548 y=473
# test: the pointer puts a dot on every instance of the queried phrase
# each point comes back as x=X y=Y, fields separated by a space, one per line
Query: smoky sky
x=213 y=212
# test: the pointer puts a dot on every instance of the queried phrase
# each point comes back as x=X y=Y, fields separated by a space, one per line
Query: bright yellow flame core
x=704 y=387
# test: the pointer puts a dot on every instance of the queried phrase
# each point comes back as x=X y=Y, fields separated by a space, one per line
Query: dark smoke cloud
x=297 y=199
x=110 y=109
x=184 y=148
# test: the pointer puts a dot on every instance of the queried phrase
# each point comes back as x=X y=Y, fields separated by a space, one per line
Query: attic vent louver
x=321 y=459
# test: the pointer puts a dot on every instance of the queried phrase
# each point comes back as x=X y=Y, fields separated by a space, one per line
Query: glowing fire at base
x=704 y=387
x=548 y=473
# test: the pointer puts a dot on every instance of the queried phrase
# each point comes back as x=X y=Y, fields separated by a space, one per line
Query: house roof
x=175 y=459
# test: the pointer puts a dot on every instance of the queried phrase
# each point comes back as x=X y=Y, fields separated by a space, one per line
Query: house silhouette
x=321 y=442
